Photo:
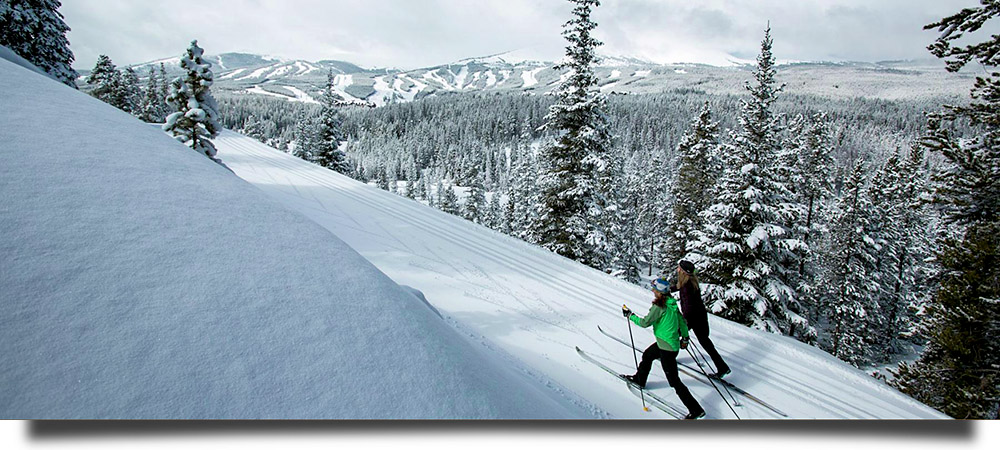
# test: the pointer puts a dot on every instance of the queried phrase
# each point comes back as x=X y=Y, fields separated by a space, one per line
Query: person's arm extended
x=652 y=317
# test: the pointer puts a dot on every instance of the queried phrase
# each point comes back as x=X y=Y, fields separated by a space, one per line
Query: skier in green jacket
x=671 y=333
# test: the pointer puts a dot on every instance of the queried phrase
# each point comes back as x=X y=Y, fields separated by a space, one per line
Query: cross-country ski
x=693 y=372
x=656 y=400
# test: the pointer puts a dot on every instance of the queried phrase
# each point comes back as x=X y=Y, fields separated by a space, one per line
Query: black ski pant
x=700 y=330
x=669 y=361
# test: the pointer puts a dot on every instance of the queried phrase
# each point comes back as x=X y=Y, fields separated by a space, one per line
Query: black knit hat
x=686 y=266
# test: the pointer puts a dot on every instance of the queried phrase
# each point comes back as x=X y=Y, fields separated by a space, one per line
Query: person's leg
x=701 y=332
x=669 y=361
x=651 y=354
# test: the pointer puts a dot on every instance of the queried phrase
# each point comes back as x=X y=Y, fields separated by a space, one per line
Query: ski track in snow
x=486 y=281
x=455 y=268
x=432 y=228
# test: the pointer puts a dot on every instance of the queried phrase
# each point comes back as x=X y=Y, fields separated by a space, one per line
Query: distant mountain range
x=302 y=81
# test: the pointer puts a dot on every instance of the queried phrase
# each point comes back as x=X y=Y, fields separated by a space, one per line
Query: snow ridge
x=151 y=283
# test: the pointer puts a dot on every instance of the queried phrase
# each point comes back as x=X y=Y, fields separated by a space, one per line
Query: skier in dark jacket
x=671 y=336
x=695 y=314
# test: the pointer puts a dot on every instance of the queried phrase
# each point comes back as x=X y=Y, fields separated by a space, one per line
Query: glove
x=626 y=312
x=684 y=343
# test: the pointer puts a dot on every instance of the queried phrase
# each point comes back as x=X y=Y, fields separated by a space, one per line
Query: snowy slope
x=138 y=279
x=538 y=306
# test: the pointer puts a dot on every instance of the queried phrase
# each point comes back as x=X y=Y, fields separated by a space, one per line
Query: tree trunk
x=652 y=254
x=802 y=262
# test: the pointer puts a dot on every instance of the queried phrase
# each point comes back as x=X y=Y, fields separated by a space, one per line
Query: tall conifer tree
x=35 y=30
x=852 y=291
x=196 y=118
x=150 y=109
x=475 y=204
x=692 y=186
x=330 y=135
x=958 y=370
x=745 y=248
x=573 y=169
x=104 y=78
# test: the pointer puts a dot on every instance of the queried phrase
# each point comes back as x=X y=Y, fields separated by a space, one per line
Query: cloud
x=418 y=33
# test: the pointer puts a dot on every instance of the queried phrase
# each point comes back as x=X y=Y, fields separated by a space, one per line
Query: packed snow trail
x=537 y=306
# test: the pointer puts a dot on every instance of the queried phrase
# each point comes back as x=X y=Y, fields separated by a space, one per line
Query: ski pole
x=636 y=359
x=713 y=383
x=705 y=358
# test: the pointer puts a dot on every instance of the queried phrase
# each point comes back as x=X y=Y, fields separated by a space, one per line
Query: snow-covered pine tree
x=887 y=236
x=958 y=370
x=745 y=249
x=851 y=293
x=150 y=109
x=330 y=135
x=410 y=190
x=692 y=186
x=392 y=173
x=434 y=198
x=254 y=129
x=475 y=203
x=571 y=197
x=653 y=211
x=611 y=250
x=494 y=213
x=131 y=93
x=304 y=140
x=915 y=270
x=814 y=182
x=505 y=224
x=35 y=30
x=421 y=189
x=810 y=177
x=449 y=201
x=625 y=230
x=164 y=93
x=196 y=118
x=104 y=78
x=382 y=179
x=523 y=196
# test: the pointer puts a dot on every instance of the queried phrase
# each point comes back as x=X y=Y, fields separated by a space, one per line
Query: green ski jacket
x=668 y=325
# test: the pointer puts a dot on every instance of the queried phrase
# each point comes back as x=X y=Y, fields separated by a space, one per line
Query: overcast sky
x=419 y=33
